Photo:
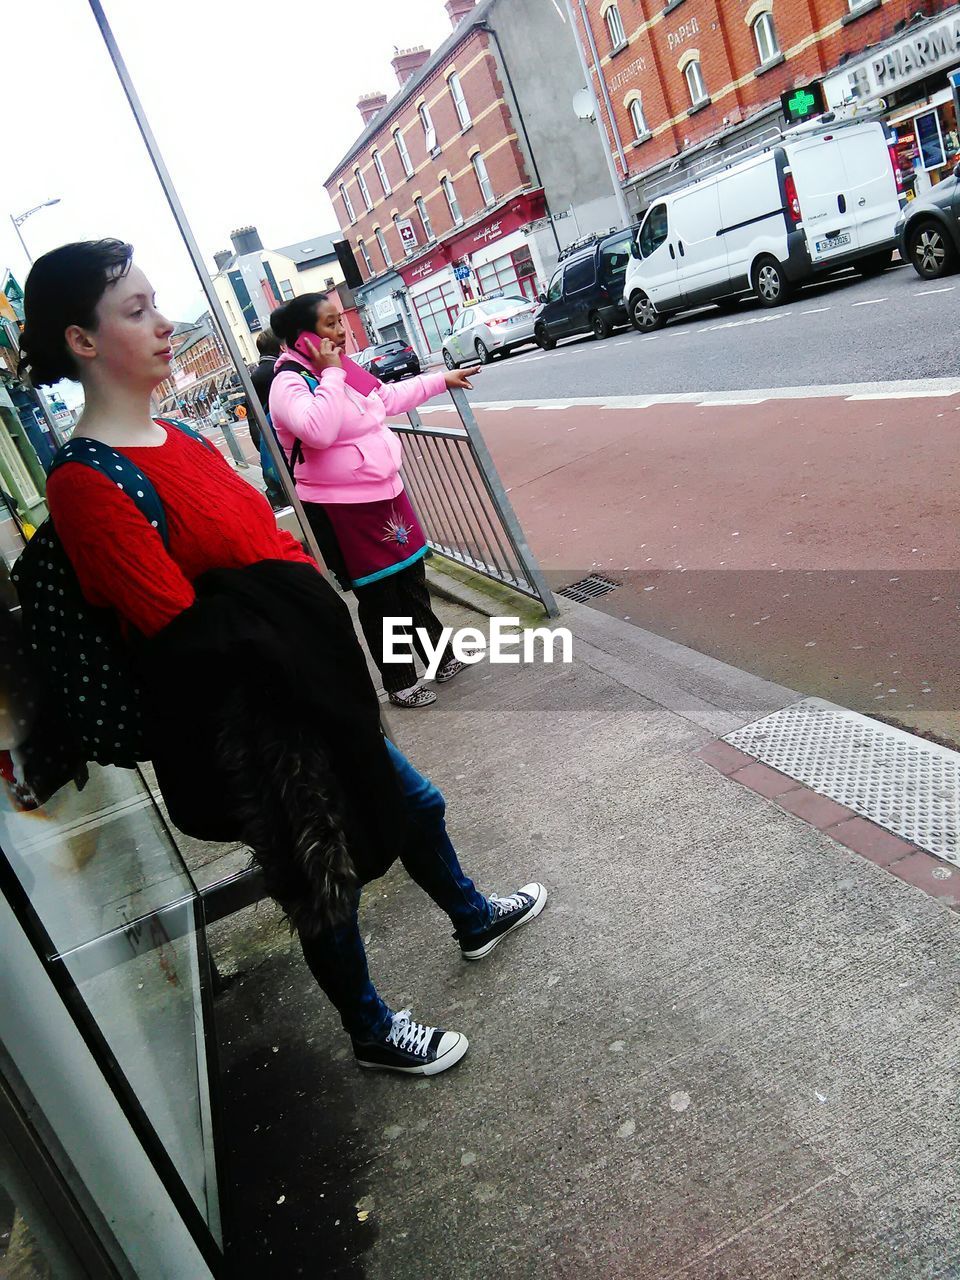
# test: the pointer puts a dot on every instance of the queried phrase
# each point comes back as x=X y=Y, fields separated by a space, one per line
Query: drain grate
x=588 y=588
x=903 y=783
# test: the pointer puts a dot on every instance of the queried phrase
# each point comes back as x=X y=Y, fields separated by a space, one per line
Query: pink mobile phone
x=303 y=345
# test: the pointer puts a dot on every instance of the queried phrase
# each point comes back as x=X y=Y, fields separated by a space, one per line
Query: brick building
x=471 y=179
x=677 y=80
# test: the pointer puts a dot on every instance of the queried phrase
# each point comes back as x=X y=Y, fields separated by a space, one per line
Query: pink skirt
x=376 y=539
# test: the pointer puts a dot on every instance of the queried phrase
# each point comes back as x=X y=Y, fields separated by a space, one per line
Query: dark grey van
x=586 y=292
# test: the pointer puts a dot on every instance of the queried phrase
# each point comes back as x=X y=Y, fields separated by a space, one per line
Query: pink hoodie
x=349 y=453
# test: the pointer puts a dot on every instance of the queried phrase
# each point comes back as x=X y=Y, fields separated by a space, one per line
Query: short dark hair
x=62 y=289
x=268 y=344
x=297 y=316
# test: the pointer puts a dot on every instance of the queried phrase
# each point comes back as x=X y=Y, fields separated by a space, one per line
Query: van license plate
x=832 y=242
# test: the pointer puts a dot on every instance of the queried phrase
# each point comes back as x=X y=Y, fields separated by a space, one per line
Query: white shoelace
x=411 y=1037
x=505 y=905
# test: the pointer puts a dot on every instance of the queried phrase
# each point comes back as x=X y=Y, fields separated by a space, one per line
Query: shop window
x=694 y=76
x=403 y=153
x=452 y=202
x=362 y=184
x=459 y=101
x=637 y=119
x=765 y=34
x=429 y=132
x=512 y=274
x=483 y=180
x=382 y=174
x=436 y=310
x=424 y=218
x=347 y=203
x=382 y=243
x=615 y=28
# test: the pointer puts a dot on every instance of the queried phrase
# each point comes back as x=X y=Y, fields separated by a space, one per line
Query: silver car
x=483 y=329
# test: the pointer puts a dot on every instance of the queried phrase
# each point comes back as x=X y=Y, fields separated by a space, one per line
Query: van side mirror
x=541 y=297
x=634 y=249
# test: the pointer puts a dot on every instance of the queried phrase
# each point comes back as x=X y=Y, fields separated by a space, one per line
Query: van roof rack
x=586 y=241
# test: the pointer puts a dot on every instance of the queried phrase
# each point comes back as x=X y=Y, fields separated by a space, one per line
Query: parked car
x=390 y=361
x=929 y=230
x=586 y=292
x=822 y=197
x=481 y=330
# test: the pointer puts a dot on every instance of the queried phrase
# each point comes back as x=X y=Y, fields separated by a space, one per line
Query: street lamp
x=22 y=217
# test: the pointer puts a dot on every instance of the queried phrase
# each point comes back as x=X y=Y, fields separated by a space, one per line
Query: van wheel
x=448 y=360
x=483 y=354
x=542 y=339
x=601 y=328
x=876 y=264
x=769 y=283
x=930 y=251
x=644 y=314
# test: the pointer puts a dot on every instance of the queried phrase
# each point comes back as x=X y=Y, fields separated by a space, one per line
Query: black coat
x=265 y=728
x=262 y=376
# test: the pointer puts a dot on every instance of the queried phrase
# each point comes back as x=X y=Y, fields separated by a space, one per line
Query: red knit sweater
x=215 y=520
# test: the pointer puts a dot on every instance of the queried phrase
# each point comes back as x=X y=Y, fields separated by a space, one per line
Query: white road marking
x=871 y=302
x=714 y=404
x=624 y=342
x=815 y=311
x=923 y=293
x=901 y=395
x=554 y=404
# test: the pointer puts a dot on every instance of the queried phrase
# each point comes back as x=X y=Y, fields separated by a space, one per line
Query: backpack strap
x=296 y=453
x=117 y=467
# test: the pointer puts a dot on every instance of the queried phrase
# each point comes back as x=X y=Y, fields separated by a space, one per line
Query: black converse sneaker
x=412 y=1048
x=509 y=914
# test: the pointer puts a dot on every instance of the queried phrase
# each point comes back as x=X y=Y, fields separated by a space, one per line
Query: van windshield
x=654 y=231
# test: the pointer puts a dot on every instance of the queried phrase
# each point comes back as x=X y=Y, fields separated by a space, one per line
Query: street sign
x=408 y=234
x=802 y=103
x=462 y=272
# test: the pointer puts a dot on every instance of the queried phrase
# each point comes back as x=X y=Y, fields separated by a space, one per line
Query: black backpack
x=86 y=697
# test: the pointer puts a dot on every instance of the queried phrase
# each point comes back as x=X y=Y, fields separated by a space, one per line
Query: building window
x=615 y=28
x=403 y=153
x=454 y=207
x=637 y=119
x=483 y=179
x=286 y=290
x=366 y=258
x=424 y=218
x=459 y=101
x=436 y=310
x=698 y=90
x=429 y=132
x=382 y=242
x=347 y=203
x=382 y=173
x=513 y=274
x=765 y=34
x=362 y=184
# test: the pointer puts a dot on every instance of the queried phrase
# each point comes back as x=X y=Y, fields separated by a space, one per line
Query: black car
x=929 y=230
x=586 y=292
x=390 y=361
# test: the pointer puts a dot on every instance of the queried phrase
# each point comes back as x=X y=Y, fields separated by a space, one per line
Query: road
x=840 y=331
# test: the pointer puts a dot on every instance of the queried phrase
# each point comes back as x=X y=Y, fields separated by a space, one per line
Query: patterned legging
x=401 y=595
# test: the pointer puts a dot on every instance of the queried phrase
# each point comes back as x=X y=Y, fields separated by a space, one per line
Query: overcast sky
x=252 y=105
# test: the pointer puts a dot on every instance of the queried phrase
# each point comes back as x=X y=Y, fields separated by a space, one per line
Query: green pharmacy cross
x=801 y=103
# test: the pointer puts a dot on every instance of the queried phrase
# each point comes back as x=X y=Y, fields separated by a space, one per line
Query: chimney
x=246 y=240
x=371 y=104
x=457 y=10
x=222 y=258
x=408 y=62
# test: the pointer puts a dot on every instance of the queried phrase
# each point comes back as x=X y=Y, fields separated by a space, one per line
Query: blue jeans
x=337 y=959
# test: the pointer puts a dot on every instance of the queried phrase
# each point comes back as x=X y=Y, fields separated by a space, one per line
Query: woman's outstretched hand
x=323 y=353
x=461 y=377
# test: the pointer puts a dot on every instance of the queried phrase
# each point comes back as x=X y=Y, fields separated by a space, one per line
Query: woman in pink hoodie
x=330 y=417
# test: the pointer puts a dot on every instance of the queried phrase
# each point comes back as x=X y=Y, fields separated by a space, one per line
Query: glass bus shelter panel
x=116 y=911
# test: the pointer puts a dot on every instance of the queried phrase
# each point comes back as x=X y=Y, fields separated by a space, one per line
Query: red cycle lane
x=815 y=542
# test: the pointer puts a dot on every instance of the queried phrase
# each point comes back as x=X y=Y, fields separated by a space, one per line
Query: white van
x=820 y=197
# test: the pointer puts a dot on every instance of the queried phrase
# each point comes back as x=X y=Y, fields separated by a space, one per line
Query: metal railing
x=463 y=506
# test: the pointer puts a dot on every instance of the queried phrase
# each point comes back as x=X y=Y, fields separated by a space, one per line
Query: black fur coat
x=265 y=728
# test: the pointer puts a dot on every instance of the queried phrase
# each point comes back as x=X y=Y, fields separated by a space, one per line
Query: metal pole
x=588 y=74
x=216 y=309
x=497 y=492
x=23 y=245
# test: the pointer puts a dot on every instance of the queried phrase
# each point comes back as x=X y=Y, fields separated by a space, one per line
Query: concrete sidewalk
x=728 y=1048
